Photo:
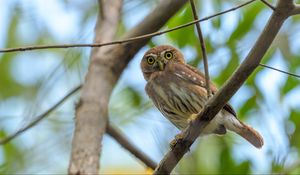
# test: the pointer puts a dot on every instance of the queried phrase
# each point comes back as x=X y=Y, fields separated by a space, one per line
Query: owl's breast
x=176 y=99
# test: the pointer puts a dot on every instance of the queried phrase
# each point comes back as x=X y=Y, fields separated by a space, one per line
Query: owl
x=178 y=91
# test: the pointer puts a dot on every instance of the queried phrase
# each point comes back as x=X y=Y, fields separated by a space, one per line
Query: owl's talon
x=178 y=138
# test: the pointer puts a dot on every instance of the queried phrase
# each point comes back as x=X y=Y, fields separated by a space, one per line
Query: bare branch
x=124 y=142
x=40 y=117
x=268 y=4
x=216 y=103
x=278 y=70
x=137 y=38
x=296 y=10
x=202 y=44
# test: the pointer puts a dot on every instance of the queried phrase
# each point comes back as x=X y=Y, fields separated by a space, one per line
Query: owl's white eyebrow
x=153 y=55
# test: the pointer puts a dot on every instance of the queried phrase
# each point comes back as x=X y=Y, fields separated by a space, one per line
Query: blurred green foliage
x=211 y=155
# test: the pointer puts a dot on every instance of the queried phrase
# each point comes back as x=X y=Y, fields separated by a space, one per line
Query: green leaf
x=13 y=157
x=295 y=138
x=246 y=23
x=185 y=36
x=290 y=84
x=249 y=105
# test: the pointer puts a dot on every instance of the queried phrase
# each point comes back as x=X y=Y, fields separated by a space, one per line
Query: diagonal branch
x=215 y=104
x=268 y=4
x=132 y=39
x=124 y=142
x=202 y=44
x=40 y=117
x=112 y=131
x=278 y=70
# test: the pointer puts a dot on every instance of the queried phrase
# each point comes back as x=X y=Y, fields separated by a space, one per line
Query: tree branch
x=132 y=39
x=268 y=4
x=124 y=142
x=216 y=103
x=40 y=117
x=296 y=10
x=203 y=49
x=278 y=70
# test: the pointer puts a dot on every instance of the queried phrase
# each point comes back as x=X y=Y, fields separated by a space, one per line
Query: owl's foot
x=178 y=138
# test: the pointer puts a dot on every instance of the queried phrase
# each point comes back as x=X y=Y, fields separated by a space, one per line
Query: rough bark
x=106 y=65
x=91 y=111
x=284 y=9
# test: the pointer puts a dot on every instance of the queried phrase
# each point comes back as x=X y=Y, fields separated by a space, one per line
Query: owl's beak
x=160 y=65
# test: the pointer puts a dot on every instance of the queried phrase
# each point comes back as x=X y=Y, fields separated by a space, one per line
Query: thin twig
x=268 y=4
x=202 y=44
x=125 y=40
x=125 y=143
x=288 y=73
x=40 y=117
x=112 y=131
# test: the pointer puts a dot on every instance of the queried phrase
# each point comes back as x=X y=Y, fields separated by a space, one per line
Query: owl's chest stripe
x=186 y=98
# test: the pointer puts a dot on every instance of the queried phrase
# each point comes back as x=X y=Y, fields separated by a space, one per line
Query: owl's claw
x=178 y=138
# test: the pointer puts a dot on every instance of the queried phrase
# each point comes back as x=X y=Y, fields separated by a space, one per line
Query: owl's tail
x=247 y=132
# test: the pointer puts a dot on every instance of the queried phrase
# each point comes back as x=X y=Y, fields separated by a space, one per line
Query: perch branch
x=215 y=104
x=141 y=37
x=124 y=142
x=203 y=49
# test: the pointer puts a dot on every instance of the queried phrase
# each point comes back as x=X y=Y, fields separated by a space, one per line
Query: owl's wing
x=202 y=78
x=193 y=75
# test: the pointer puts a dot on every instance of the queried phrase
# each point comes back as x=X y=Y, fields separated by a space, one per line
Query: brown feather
x=248 y=133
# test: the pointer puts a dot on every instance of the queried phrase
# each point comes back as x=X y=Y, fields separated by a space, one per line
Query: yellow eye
x=150 y=60
x=168 y=55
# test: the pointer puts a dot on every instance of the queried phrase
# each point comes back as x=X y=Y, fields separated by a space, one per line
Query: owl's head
x=156 y=59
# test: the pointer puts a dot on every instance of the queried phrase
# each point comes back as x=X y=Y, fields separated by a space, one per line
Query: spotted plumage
x=178 y=91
